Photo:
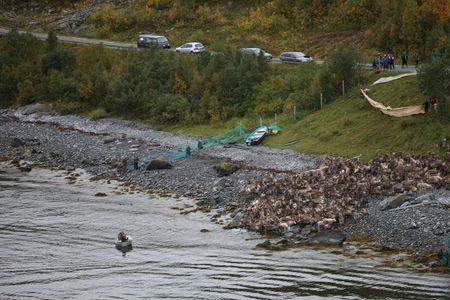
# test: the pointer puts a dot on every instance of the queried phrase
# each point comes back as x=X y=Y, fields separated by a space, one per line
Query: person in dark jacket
x=416 y=60
x=404 y=59
x=426 y=105
x=136 y=163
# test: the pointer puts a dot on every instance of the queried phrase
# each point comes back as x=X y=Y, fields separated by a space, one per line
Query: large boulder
x=159 y=163
x=328 y=237
x=225 y=168
x=393 y=202
x=16 y=142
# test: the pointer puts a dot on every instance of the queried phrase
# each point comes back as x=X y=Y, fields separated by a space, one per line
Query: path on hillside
x=128 y=46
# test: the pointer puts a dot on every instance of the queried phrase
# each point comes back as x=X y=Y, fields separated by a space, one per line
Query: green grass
x=96 y=114
x=350 y=127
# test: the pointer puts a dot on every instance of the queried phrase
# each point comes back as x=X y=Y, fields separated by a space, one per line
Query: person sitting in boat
x=122 y=236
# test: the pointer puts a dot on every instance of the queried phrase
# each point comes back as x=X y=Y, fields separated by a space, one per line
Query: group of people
x=384 y=62
x=122 y=165
x=387 y=61
x=430 y=102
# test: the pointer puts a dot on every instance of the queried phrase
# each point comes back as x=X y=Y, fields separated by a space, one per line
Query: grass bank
x=349 y=126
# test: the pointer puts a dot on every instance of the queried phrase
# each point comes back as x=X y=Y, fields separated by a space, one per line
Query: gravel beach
x=69 y=142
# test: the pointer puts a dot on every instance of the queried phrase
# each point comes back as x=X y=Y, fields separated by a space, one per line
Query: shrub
x=434 y=81
x=98 y=113
x=26 y=92
x=59 y=59
x=343 y=65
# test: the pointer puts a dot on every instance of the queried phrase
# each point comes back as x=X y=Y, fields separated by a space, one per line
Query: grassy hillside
x=349 y=126
x=315 y=27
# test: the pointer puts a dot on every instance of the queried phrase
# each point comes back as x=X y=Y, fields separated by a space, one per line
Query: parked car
x=257 y=51
x=294 y=57
x=192 y=47
x=150 y=40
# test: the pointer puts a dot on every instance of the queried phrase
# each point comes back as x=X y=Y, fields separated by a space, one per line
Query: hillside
x=349 y=126
x=315 y=28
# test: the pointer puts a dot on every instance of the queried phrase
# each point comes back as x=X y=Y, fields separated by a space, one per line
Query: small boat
x=256 y=137
x=124 y=244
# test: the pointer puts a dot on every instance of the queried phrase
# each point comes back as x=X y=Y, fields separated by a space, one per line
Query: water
x=57 y=243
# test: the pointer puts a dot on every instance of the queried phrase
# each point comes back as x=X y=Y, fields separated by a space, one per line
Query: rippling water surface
x=57 y=243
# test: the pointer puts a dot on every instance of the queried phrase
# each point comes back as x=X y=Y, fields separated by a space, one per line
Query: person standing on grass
x=392 y=60
x=404 y=59
x=433 y=103
x=426 y=105
x=416 y=59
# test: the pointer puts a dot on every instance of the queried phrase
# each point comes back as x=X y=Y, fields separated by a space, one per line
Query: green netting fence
x=236 y=135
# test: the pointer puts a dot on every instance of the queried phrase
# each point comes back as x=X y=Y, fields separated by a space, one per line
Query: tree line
x=162 y=86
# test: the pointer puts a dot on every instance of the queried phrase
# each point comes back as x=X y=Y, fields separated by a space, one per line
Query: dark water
x=57 y=243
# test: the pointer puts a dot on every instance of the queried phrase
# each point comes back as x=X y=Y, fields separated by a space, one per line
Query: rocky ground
x=420 y=222
x=43 y=16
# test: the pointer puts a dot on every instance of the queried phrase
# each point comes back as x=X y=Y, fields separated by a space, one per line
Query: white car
x=257 y=52
x=294 y=57
x=194 y=47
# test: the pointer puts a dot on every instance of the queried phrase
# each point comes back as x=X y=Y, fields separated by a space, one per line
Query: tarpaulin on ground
x=394 y=112
x=392 y=78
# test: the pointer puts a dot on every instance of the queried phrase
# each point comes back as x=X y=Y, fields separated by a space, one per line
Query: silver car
x=193 y=47
x=294 y=57
x=257 y=51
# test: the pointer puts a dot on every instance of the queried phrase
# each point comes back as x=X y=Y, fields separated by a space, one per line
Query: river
x=57 y=243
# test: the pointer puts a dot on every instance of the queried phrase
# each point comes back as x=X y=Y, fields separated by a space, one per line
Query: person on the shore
x=124 y=165
x=404 y=59
x=433 y=103
x=426 y=105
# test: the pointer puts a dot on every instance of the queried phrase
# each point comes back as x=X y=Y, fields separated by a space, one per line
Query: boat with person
x=123 y=240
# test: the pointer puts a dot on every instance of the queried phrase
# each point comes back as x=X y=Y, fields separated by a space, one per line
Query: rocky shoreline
x=420 y=223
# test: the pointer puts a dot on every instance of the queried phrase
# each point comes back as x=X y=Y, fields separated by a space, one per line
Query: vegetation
x=207 y=93
x=163 y=87
x=314 y=26
x=350 y=127
x=434 y=80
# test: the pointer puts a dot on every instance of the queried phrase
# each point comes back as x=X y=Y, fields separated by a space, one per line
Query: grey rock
x=109 y=140
x=413 y=226
x=70 y=168
x=393 y=202
x=159 y=163
x=236 y=221
x=225 y=168
x=16 y=142
x=328 y=237
x=307 y=230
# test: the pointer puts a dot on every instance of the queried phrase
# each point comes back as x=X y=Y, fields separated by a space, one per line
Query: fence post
x=343 y=87
x=321 y=100
x=295 y=112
